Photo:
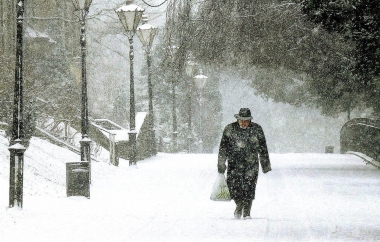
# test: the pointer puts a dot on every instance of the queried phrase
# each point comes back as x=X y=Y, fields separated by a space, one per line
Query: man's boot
x=239 y=207
x=247 y=204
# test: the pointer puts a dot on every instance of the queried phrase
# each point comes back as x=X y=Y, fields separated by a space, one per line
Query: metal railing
x=361 y=135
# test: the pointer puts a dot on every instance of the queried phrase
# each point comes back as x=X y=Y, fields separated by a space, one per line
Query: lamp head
x=200 y=80
x=130 y=16
x=146 y=32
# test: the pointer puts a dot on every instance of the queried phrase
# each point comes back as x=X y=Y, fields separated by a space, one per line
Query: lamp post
x=189 y=68
x=16 y=148
x=200 y=81
x=146 y=33
x=130 y=15
x=83 y=7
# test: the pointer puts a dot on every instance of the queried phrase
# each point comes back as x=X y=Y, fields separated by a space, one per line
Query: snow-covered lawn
x=307 y=197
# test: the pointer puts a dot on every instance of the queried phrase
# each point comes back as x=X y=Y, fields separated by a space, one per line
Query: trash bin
x=329 y=149
x=78 y=179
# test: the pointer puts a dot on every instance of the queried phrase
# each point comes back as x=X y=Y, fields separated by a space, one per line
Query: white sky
x=307 y=197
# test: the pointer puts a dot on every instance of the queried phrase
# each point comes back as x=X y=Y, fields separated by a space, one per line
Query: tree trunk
x=7 y=56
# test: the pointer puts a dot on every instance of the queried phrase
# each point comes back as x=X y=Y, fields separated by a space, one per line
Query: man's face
x=244 y=123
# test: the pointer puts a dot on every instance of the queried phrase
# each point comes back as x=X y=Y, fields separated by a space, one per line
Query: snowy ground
x=307 y=197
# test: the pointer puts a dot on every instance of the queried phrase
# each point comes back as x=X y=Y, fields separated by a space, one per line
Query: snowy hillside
x=44 y=166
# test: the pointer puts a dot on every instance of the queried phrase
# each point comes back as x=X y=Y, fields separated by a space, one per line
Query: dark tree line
x=51 y=44
x=319 y=53
x=359 y=23
x=7 y=55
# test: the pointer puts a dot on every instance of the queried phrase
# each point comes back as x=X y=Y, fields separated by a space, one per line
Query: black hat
x=244 y=114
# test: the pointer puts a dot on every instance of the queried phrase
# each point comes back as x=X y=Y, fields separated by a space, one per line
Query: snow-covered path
x=307 y=197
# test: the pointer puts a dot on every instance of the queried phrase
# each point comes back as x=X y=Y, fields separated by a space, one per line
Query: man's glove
x=266 y=169
x=222 y=168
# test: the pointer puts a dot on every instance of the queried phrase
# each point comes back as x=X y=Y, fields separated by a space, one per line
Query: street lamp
x=85 y=156
x=200 y=81
x=189 y=68
x=146 y=33
x=130 y=15
x=16 y=148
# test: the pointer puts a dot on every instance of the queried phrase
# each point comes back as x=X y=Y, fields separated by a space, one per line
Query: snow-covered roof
x=201 y=77
x=130 y=8
x=17 y=146
x=146 y=26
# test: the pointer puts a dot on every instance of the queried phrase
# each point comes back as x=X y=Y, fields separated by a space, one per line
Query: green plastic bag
x=220 y=190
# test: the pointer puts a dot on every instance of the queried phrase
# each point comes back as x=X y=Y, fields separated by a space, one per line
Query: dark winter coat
x=243 y=149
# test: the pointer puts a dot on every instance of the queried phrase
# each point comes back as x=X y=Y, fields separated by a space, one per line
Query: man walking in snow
x=243 y=145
